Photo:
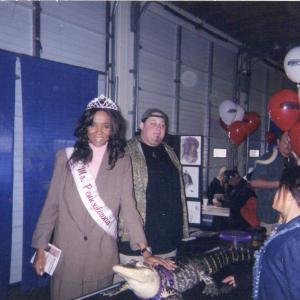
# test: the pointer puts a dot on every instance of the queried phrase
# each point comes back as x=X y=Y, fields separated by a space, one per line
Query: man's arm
x=264 y=184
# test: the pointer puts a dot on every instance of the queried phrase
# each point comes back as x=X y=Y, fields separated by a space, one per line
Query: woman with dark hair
x=90 y=186
x=116 y=142
x=277 y=266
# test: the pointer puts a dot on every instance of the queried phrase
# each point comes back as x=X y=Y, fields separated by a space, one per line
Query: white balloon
x=240 y=112
x=291 y=64
x=227 y=111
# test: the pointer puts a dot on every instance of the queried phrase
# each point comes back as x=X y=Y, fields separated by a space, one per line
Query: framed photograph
x=190 y=150
x=191 y=181
x=194 y=212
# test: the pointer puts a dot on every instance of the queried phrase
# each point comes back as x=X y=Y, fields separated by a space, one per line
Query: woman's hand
x=39 y=262
x=229 y=280
x=156 y=260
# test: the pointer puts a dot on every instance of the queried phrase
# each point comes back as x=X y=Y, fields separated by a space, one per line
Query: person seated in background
x=216 y=187
x=241 y=201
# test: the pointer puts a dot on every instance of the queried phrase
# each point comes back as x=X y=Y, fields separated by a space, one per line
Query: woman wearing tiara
x=90 y=186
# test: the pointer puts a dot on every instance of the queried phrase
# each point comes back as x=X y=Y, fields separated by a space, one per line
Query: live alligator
x=157 y=283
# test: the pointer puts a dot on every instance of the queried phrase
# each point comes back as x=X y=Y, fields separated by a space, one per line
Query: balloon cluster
x=238 y=123
x=284 y=111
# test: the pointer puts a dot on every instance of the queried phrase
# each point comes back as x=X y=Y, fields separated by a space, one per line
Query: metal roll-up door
x=223 y=88
x=157 y=66
x=73 y=32
x=194 y=83
x=257 y=103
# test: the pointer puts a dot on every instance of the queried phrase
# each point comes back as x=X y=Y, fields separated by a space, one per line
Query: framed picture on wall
x=194 y=212
x=191 y=181
x=190 y=150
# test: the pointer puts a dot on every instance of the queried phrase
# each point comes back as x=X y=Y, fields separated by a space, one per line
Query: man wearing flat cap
x=158 y=188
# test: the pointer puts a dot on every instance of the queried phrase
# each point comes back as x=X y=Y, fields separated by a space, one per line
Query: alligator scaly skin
x=192 y=270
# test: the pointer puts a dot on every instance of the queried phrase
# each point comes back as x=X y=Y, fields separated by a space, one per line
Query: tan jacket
x=64 y=212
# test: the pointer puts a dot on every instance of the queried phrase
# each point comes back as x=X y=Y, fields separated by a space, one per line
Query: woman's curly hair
x=116 y=142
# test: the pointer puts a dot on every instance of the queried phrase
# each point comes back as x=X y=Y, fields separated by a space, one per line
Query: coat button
x=85 y=238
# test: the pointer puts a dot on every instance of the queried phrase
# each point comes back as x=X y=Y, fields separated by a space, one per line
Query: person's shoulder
x=267 y=158
x=132 y=144
x=293 y=238
x=266 y=155
x=62 y=153
x=123 y=160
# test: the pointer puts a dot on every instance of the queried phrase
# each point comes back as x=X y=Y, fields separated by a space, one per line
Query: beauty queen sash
x=90 y=197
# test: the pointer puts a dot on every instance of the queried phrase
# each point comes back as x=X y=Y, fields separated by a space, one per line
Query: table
x=215 y=211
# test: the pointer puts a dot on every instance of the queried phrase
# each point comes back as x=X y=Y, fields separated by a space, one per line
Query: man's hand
x=156 y=260
x=39 y=262
x=229 y=280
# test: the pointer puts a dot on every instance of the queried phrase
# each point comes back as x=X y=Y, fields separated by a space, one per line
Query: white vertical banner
x=17 y=214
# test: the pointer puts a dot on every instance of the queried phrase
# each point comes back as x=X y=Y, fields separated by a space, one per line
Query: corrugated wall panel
x=221 y=90
x=257 y=100
x=216 y=130
x=194 y=84
x=224 y=63
x=158 y=36
x=195 y=50
x=16 y=26
x=192 y=118
x=157 y=66
x=258 y=103
x=275 y=81
x=223 y=85
x=85 y=14
x=69 y=42
x=157 y=74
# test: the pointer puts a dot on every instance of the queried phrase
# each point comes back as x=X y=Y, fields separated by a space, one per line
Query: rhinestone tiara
x=102 y=102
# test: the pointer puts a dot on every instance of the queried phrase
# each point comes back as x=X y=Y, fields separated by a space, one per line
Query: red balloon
x=283 y=109
x=252 y=120
x=223 y=125
x=237 y=132
x=270 y=137
x=295 y=138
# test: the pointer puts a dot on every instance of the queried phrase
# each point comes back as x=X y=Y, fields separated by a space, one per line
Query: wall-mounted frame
x=190 y=150
x=254 y=153
x=218 y=152
x=194 y=212
x=191 y=181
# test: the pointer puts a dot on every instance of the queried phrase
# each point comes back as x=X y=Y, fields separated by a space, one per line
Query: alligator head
x=142 y=278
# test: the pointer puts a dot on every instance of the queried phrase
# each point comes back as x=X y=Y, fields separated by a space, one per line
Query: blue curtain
x=54 y=96
x=7 y=101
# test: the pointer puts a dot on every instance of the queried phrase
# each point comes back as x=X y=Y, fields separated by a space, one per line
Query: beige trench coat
x=63 y=212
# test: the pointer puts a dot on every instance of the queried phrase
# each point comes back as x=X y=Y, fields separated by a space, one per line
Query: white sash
x=90 y=197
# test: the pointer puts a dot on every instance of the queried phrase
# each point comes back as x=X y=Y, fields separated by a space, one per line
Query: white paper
x=52 y=257
x=194 y=212
x=191 y=181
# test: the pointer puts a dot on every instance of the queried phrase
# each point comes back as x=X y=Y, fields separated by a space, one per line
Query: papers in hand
x=52 y=257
